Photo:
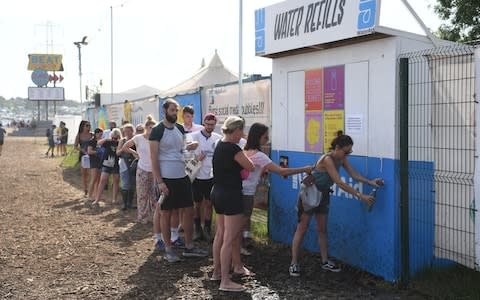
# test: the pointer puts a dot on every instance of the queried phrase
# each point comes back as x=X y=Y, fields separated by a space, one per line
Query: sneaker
x=178 y=243
x=171 y=257
x=160 y=245
x=194 y=252
x=294 y=270
x=330 y=266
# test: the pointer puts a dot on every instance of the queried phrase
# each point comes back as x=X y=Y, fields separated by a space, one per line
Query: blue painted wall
x=421 y=210
x=184 y=100
x=370 y=241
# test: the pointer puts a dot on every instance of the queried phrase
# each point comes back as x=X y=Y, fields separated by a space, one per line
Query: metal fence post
x=477 y=160
x=404 y=226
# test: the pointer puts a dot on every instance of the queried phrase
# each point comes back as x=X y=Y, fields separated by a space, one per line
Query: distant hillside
x=21 y=108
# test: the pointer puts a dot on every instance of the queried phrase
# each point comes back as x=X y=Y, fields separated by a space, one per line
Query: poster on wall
x=334 y=87
x=313 y=89
x=256 y=105
x=313 y=131
x=333 y=121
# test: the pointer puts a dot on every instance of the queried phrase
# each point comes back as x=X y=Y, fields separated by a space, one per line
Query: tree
x=463 y=18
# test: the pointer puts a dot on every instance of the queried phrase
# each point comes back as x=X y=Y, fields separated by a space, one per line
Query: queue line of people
x=226 y=181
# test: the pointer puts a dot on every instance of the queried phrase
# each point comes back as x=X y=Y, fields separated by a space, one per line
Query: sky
x=155 y=43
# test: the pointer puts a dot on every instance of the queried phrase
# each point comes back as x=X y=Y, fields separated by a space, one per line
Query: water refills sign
x=302 y=23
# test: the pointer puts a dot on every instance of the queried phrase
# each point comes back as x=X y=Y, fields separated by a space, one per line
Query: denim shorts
x=111 y=170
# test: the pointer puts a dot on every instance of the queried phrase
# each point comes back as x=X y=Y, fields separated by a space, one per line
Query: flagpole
x=240 y=52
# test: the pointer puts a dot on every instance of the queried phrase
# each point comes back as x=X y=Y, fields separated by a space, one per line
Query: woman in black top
x=109 y=165
x=81 y=143
x=228 y=162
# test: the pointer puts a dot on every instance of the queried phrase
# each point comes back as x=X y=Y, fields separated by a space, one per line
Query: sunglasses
x=347 y=152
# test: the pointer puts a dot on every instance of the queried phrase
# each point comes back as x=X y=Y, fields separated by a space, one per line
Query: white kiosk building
x=335 y=66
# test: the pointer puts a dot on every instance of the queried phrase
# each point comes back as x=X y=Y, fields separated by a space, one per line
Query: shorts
x=110 y=170
x=63 y=141
x=1 y=142
x=202 y=189
x=179 y=193
x=227 y=201
x=321 y=209
x=51 y=143
x=248 y=205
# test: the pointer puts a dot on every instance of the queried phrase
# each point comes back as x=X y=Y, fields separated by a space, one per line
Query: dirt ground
x=54 y=247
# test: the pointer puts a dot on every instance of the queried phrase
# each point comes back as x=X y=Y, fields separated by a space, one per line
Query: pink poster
x=334 y=84
x=313 y=89
x=313 y=131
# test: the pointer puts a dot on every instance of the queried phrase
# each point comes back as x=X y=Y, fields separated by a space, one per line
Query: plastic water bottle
x=373 y=194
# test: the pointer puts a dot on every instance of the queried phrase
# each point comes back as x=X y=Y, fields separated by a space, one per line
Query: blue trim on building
x=368 y=240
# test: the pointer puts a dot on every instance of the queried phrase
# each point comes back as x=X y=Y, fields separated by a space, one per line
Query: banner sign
x=47 y=62
x=302 y=23
x=46 y=94
x=256 y=105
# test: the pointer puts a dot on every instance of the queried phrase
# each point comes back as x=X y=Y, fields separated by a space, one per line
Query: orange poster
x=313 y=89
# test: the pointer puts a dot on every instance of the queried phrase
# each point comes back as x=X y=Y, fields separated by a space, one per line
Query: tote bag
x=192 y=166
x=85 y=161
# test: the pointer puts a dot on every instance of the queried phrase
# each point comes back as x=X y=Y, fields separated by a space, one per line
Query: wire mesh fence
x=441 y=155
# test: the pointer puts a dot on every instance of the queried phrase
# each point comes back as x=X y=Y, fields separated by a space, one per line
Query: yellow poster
x=333 y=121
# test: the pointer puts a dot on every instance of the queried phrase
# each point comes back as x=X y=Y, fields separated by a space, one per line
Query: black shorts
x=179 y=193
x=202 y=189
x=321 y=209
x=227 y=201
x=1 y=142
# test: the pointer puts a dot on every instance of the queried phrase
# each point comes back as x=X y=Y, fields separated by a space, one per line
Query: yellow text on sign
x=47 y=62
x=333 y=121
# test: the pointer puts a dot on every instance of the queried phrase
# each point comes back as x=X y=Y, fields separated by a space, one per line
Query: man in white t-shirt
x=203 y=183
x=188 y=124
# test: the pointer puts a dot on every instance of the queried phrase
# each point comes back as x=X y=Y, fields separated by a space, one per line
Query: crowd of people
x=57 y=139
x=148 y=164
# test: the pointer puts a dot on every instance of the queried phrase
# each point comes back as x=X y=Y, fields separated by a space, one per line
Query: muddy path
x=53 y=246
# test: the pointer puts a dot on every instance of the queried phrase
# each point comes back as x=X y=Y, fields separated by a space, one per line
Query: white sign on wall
x=302 y=23
x=256 y=105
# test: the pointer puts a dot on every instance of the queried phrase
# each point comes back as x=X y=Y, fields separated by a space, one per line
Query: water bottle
x=373 y=194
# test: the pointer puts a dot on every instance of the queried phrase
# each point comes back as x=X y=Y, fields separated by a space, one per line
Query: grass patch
x=70 y=160
x=259 y=227
x=448 y=282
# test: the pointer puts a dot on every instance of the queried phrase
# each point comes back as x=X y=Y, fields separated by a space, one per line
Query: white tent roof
x=137 y=93
x=214 y=73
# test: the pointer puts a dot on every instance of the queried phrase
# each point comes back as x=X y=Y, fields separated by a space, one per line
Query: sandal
x=232 y=289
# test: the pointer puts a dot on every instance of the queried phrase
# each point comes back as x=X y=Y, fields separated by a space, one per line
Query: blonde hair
x=150 y=121
x=116 y=132
x=232 y=123
x=128 y=125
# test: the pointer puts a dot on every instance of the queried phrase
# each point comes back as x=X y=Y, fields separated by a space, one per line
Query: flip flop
x=232 y=289
x=246 y=272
